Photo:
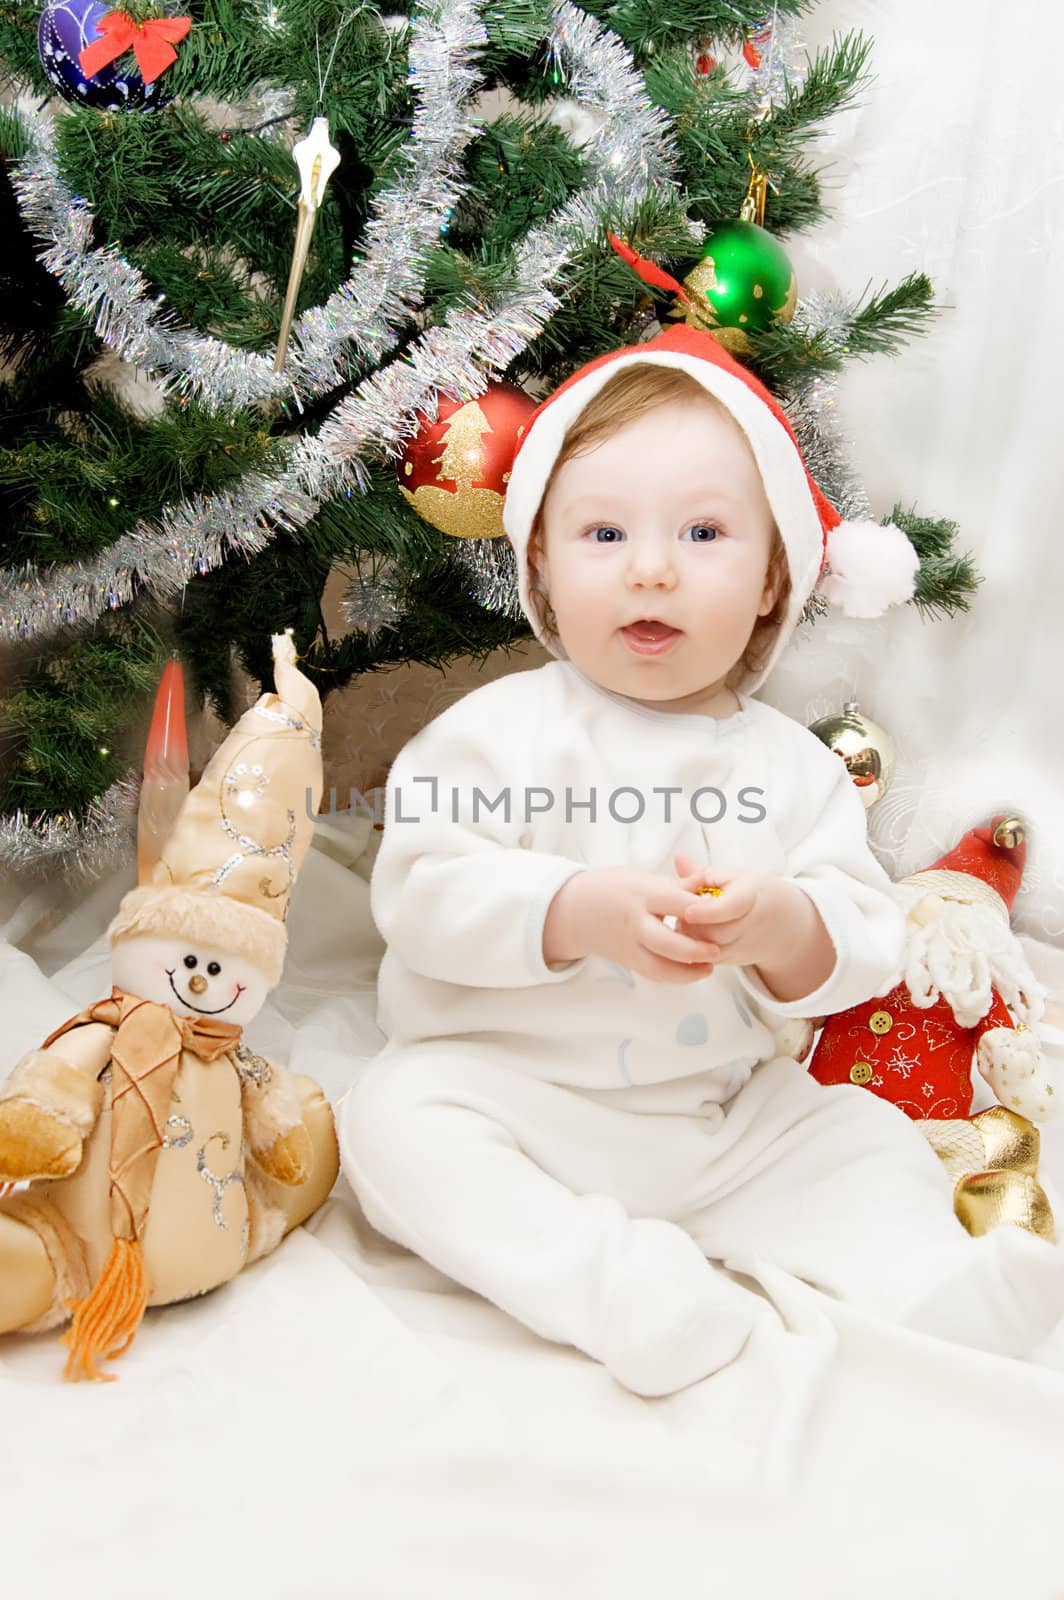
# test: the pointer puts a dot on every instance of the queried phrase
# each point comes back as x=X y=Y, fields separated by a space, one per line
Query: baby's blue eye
x=704 y=527
x=606 y=528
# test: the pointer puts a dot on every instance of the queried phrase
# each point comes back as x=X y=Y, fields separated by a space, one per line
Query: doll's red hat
x=986 y=866
x=861 y=567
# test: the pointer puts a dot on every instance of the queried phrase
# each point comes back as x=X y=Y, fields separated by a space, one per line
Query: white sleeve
x=453 y=891
x=829 y=858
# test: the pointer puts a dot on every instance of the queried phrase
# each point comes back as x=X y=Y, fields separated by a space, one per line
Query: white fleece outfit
x=597 y=1153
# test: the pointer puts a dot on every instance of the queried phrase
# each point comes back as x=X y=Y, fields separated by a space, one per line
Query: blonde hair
x=623 y=399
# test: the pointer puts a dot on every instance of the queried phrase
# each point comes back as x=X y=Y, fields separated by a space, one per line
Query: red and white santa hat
x=985 y=868
x=861 y=567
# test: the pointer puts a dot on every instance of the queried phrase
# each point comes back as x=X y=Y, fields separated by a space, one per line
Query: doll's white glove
x=1011 y=1062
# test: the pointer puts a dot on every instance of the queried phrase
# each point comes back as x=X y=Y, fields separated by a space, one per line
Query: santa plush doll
x=966 y=991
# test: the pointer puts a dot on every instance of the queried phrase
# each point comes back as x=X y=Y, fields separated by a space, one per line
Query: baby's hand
x=618 y=912
x=748 y=921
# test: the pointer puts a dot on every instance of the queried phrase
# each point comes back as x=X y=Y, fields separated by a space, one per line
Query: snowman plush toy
x=155 y=1154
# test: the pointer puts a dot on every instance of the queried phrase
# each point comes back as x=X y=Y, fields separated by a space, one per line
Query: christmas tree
x=320 y=350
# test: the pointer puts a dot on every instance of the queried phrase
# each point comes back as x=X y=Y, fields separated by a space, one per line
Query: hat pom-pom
x=872 y=566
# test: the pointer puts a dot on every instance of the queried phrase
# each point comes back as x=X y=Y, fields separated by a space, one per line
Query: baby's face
x=667 y=520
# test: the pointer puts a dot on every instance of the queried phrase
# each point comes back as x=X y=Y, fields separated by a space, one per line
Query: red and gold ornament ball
x=454 y=471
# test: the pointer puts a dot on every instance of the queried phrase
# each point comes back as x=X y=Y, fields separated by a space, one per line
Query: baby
x=581 y=1111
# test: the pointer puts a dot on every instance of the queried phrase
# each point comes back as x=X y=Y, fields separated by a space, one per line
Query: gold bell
x=1010 y=832
x=985 y=1200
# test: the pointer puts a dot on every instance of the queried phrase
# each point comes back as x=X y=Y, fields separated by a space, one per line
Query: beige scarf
x=145 y=1056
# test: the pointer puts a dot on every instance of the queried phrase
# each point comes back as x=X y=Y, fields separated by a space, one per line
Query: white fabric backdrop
x=954 y=165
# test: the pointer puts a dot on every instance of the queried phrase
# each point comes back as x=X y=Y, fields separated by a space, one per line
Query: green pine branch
x=78 y=719
x=786 y=356
x=74 y=480
x=946 y=580
x=645 y=25
x=836 y=78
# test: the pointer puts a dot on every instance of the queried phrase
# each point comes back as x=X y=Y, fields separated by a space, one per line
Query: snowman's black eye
x=214 y=967
x=190 y=961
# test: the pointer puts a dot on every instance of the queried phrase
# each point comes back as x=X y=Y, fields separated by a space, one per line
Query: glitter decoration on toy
x=965 y=978
x=156 y=1155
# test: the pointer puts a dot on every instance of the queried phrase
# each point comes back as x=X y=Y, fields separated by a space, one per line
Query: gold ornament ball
x=866 y=748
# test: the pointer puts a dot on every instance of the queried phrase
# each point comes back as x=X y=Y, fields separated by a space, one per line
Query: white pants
x=600 y=1227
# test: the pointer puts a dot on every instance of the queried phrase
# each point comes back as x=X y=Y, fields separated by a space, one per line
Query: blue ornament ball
x=66 y=27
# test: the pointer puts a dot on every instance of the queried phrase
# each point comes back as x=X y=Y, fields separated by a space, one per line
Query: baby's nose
x=651 y=565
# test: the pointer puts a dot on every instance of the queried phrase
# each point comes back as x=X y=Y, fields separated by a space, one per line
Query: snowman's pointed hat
x=226 y=872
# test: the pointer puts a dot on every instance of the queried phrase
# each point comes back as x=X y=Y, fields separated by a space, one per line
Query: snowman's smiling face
x=194 y=980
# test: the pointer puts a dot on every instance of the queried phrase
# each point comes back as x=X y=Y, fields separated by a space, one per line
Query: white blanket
x=343 y=1421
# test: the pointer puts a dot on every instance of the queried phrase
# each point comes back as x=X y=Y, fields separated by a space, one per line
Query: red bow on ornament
x=152 y=43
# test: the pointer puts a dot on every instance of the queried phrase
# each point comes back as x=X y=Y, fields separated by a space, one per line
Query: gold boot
x=1010 y=1141
x=957 y=1144
x=994 y=1140
x=985 y=1200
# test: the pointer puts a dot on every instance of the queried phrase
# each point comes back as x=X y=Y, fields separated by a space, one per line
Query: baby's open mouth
x=649 y=636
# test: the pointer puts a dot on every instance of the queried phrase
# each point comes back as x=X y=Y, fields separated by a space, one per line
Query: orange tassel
x=106 y=1321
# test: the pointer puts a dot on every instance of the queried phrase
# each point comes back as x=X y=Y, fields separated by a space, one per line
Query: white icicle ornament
x=317 y=159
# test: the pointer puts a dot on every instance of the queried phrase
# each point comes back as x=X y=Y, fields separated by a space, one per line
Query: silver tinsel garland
x=104 y=839
x=364 y=314
x=190 y=538
x=117 y=297
x=631 y=154
x=811 y=409
x=491 y=569
x=784 y=62
x=372 y=600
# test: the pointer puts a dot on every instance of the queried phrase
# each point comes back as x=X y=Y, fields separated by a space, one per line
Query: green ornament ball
x=744 y=282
